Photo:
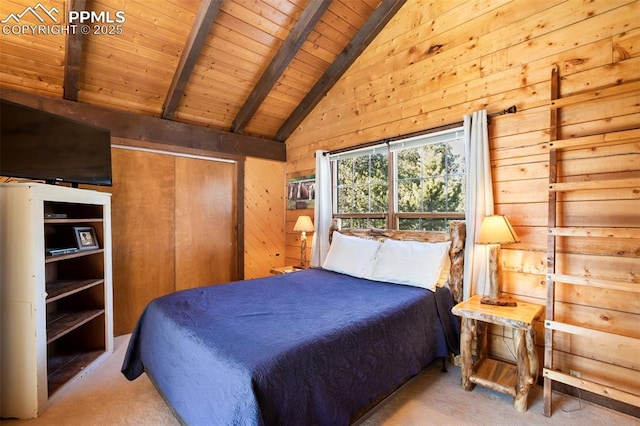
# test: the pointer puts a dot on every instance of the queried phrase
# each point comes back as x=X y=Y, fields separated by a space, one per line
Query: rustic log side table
x=515 y=380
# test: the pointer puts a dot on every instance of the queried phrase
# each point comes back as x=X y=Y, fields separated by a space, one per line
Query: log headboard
x=456 y=234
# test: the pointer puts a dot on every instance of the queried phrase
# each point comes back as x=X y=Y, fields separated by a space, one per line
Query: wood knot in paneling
x=434 y=49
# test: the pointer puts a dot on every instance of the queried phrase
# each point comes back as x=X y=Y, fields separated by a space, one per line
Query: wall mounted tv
x=41 y=146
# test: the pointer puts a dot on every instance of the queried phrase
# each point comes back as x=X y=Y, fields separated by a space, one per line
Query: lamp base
x=303 y=251
x=494 y=284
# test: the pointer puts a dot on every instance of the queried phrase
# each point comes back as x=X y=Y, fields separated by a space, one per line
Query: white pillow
x=410 y=262
x=351 y=255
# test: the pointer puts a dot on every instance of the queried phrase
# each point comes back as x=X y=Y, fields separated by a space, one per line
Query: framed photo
x=85 y=237
x=301 y=193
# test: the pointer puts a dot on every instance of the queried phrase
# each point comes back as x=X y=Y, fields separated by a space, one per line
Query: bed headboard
x=456 y=234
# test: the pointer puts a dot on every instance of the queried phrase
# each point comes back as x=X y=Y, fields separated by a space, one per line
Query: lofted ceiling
x=250 y=67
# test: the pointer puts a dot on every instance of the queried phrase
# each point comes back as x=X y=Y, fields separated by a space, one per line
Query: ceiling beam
x=199 y=32
x=72 y=56
x=294 y=41
x=376 y=22
x=139 y=127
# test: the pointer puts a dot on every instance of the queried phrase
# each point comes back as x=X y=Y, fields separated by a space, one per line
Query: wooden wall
x=438 y=60
x=264 y=217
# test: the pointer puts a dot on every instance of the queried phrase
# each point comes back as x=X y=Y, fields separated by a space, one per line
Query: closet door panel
x=142 y=232
x=206 y=222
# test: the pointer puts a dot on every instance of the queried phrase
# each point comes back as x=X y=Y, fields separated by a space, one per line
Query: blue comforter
x=306 y=348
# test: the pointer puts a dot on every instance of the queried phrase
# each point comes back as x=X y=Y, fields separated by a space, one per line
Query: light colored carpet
x=105 y=397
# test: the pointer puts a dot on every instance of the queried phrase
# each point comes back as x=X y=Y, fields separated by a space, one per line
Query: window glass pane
x=347 y=223
x=379 y=168
x=377 y=223
x=379 y=197
x=345 y=199
x=409 y=224
x=409 y=163
x=362 y=185
x=410 y=195
x=434 y=224
x=433 y=160
x=434 y=195
x=431 y=177
x=456 y=176
x=422 y=224
x=456 y=157
x=361 y=223
x=361 y=199
x=456 y=194
x=361 y=171
x=345 y=172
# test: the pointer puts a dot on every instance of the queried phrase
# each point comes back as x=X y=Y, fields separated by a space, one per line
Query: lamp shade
x=303 y=224
x=496 y=229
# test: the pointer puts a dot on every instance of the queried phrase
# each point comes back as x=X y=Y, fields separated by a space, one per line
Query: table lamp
x=495 y=230
x=303 y=225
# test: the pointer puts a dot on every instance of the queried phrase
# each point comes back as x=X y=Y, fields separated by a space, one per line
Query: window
x=361 y=191
x=410 y=184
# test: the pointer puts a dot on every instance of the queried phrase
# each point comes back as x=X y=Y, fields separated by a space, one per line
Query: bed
x=319 y=346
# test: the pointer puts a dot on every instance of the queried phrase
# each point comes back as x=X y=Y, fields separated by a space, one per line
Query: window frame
x=392 y=217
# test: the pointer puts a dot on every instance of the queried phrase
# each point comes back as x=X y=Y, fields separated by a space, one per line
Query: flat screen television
x=41 y=146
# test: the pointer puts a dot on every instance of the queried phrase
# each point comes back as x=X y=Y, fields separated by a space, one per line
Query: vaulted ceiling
x=250 y=67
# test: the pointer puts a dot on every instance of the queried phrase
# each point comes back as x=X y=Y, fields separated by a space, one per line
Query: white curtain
x=479 y=202
x=322 y=214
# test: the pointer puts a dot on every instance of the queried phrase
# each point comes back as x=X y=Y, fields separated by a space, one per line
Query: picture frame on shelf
x=86 y=238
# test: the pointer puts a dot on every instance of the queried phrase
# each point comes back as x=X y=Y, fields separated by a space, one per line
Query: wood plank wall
x=292 y=238
x=439 y=60
x=264 y=217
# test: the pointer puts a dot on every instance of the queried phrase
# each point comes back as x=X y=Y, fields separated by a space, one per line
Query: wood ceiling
x=243 y=67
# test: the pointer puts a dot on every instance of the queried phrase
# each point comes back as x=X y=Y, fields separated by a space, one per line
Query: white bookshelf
x=56 y=310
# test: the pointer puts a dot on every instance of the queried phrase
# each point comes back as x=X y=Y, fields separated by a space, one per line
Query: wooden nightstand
x=285 y=270
x=505 y=377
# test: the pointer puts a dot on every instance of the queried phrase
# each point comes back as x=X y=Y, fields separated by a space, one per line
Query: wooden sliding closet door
x=206 y=222
x=174 y=225
x=142 y=215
